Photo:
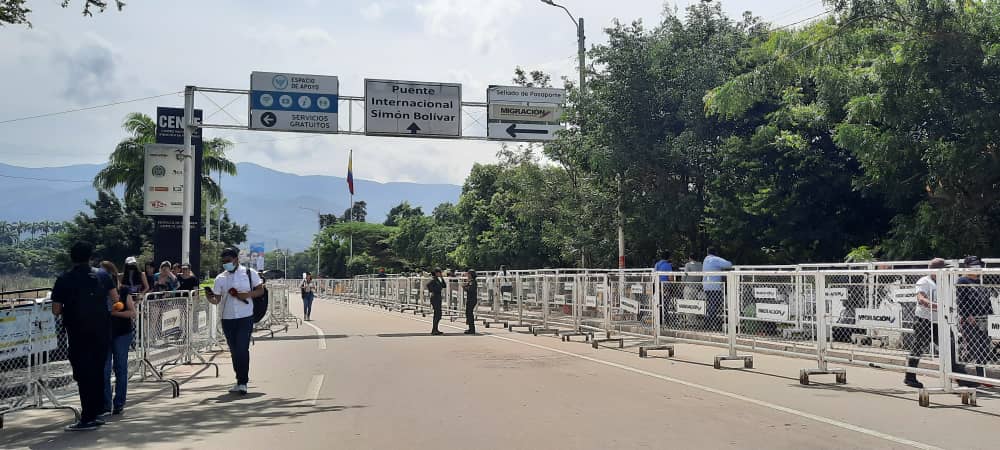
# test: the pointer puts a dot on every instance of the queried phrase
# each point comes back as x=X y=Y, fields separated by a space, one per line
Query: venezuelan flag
x=350 y=172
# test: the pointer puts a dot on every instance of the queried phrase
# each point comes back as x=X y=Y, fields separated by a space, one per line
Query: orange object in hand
x=118 y=306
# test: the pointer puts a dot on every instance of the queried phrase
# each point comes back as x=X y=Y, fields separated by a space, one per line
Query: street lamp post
x=581 y=55
x=319 y=224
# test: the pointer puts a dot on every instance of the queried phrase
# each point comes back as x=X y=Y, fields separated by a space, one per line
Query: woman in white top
x=308 y=295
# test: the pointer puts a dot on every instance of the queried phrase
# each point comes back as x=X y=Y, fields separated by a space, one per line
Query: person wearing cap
x=133 y=279
x=435 y=286
x=973 y=304
x=925 y=325
x=187 y=281
x=234 y=289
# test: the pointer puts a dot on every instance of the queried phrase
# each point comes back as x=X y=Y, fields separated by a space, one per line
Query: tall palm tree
x=126 y=164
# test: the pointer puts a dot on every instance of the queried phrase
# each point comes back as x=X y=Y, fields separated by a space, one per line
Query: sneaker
x=99 y=422
x=235 y=389
x=83 y=426
x=913 y=383
x=470 y=331
x=436 y=333
x=119 y=410
x=241 y=388
x=103 y=414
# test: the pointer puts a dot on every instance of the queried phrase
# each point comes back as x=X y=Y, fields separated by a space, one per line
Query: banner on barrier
x=170 y=321
x=637 y=289
x=568 y=286
x=877 y=317
x=904 y=294
x=14 y=326
x=630 y=306
x=202 y=320
x=590 y=300
x=993 y=326
x=688 y=306
x=770 y=311
x=767 y=293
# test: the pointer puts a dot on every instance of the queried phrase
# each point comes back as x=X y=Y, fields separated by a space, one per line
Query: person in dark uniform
x=81 y=296
x=974 y=305
x=471 y=287
x=435 y=286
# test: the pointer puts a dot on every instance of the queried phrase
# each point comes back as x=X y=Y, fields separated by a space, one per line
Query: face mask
x=229 y=267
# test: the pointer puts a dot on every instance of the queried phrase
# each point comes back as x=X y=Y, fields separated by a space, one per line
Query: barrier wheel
x=842 y=378
x=965 y=398
x=670 y=352
x=718 y=363
x=748 y=363
x=924 y=399
x=487 y=325
x=804 y=378
x=642 y=352
x=594 y=344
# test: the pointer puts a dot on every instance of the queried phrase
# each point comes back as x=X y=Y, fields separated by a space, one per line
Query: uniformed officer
x=81 y=296
x=471 y=287
x=435 y=286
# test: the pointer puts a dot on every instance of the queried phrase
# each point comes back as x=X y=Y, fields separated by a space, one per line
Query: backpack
x=259 y=303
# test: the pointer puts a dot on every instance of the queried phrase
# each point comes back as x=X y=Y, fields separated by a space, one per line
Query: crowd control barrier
x=171 y=329
x=831 y=316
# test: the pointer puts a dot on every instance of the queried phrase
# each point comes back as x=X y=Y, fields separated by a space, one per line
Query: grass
x=17 y=282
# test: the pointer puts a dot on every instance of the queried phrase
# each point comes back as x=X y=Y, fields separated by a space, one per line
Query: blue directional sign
x=293 y=102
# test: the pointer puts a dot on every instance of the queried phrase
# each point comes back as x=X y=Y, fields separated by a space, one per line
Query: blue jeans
x=307 y=303
x=117 y=359
x=237 y=333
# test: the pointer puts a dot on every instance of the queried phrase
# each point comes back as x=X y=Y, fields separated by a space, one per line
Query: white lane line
x=321 y=336
x=784 y=409
x=315 y=385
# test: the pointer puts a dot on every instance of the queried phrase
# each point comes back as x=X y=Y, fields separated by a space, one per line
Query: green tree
x=400 y=212
x=16 y=12
x=356 y=213
x=116 y=230
x=126 y=163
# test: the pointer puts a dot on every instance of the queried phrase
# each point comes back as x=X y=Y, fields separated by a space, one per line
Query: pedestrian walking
x=714 y=289
x=925 y=325
x=974 y=306
x=80 y=296
x=435 y=286
x=122 y=333
x=308 y=295
x=471 y=286
x=234 y=289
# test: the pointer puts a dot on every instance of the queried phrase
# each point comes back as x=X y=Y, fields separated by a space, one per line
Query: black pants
x=714 y=305
x=436 y=304
x=470 y=315
x=237 y=333
x=925 y=332
x=87 y=356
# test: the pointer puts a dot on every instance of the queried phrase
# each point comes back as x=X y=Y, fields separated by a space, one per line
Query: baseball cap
x=972 y=262
x=231 y=252
x=131 y=260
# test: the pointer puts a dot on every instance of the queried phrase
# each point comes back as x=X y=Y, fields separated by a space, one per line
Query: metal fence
x=172 y=328
x=826 y=315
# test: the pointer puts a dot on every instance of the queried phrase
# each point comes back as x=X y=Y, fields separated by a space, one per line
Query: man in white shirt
x=235 y=288
x=925 y=327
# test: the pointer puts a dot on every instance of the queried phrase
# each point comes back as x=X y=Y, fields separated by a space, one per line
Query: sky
x=66 y=61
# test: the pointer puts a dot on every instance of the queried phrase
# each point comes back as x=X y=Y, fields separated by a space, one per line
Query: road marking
x=321 y=336
x=315 y=385
x=803 y=414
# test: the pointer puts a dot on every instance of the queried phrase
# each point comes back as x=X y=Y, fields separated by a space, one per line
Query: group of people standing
x=470 y=286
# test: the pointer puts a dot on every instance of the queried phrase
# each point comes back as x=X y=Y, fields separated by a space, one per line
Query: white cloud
x=373 y=11
x=481 y=21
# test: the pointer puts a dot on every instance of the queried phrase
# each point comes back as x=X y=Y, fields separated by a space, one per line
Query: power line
x=88 y=108
x=804 y=20
x=44 y=179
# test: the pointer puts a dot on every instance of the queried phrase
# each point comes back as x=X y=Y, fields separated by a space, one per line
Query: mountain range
x=267 y=200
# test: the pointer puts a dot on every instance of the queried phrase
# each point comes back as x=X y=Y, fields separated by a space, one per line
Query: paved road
x=366 y=379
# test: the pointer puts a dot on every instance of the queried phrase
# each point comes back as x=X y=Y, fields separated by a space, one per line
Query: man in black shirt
x=81 y=296
x=435 y=286
x=471 y=298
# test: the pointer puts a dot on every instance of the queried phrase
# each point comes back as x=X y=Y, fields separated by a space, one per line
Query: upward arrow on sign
x=512 y=130
x=413 y=128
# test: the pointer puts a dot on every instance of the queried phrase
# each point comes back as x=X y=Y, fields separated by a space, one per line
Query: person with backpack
x=81 y=297
x=236 y=290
